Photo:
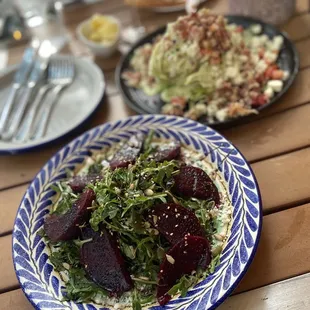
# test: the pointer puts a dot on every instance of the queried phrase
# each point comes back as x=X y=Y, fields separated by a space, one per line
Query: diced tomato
x=277 y=74
x=259 y=100
x=269 y=71
x=239 y=29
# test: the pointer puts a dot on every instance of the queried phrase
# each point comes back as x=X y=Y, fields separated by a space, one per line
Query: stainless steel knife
x=35 y=76
x=20 y=78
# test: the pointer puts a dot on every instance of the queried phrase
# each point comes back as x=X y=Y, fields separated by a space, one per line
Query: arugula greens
x=122 y=197
x=66 y=200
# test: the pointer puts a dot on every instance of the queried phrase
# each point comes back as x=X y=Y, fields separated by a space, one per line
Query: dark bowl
x=143 y=104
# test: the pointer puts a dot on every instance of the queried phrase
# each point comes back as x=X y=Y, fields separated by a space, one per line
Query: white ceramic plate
x=75 y=106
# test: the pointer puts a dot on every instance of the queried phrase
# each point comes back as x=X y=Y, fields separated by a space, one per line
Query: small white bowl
x=99 y=49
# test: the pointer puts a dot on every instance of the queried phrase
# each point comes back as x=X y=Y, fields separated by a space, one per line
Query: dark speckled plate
x=140 y=102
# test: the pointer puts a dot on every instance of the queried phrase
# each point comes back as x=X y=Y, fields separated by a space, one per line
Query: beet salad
x=138 y=223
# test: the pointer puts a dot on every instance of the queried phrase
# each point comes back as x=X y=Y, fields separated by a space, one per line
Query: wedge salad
x=206 y=68
x=138 y=224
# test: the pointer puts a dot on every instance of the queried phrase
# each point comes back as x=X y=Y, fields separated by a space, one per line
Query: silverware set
x=35 y=90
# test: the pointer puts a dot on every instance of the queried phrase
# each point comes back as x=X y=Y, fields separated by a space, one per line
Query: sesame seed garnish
x=171 y=234
x=170 y=259
x=176 y=225
x=168 y=207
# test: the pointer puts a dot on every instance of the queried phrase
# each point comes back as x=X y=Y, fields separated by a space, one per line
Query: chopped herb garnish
x=95 y=168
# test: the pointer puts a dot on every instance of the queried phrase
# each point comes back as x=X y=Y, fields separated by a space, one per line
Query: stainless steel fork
x=60 y=75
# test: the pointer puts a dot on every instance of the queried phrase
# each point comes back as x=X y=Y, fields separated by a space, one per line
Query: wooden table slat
x=9 y=202
x=14 y=300
x=303 y=51
x=298 y=28
x=271 y=136
x=278 y=177
x=302 y=6
x=290 y=294
x=283 y=251
x=7 y=272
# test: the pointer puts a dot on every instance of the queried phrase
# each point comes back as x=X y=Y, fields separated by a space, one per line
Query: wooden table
x=276 y=143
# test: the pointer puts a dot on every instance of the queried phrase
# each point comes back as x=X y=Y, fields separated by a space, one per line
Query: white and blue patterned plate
x=42 y=285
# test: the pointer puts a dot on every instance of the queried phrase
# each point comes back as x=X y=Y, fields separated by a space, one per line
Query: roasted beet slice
x=79 y=182
x=183 y=258
x=129 y=152
x=174 y=221
x=167 y=151
x=103 y=261
x=65 y=227
x=194 y=182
